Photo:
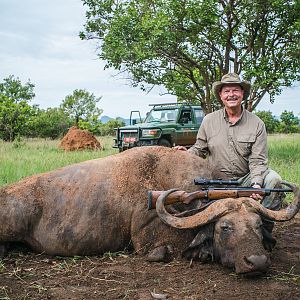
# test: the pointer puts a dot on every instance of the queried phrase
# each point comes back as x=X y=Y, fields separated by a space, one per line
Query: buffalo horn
x=284 y=214
x=220 y=208
x=210 y=214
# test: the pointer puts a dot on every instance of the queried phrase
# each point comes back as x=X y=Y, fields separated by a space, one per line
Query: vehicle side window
x=167 y=116
x=163 y=117
x=185 y=117
x=199 y=115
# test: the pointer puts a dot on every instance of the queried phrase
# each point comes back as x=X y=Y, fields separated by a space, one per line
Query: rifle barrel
x=280 y=190
x=246 y=188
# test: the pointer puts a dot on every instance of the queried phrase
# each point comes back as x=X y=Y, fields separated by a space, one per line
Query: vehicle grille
x=129 y=136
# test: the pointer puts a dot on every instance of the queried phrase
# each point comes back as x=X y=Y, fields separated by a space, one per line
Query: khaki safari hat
x=231 y=78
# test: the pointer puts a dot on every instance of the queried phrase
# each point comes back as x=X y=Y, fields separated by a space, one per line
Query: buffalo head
x=232 y=231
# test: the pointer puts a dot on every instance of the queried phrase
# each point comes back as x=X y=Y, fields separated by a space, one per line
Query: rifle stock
x=185 y=197
x=210 y=193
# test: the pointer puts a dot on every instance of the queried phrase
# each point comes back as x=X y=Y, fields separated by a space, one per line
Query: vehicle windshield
x=165 y=115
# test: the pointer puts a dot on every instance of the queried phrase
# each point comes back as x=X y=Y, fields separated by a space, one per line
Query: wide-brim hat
x=231 y=78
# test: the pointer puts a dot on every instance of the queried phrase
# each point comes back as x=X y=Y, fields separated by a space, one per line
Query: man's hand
x=256 y=196
x=182 y=148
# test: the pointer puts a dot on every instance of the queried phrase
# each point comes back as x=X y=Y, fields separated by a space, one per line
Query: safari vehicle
x=166 y=124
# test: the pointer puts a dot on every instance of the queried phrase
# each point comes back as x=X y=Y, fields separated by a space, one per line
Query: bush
x=50 y=123
x=92 y=125
x=15 y=110
x=289 y=123
x=270 y=121
x=109 y=127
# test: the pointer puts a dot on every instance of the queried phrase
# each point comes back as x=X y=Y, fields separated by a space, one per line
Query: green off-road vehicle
x=167 y=124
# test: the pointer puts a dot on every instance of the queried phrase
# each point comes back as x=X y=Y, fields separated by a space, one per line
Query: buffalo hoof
x=199 y=254
x=160 y=254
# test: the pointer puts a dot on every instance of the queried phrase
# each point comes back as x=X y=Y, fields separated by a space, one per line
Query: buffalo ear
x=201 y=247
x=268 y=241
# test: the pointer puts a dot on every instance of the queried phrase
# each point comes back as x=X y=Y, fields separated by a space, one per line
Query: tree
x=81 y=105
x=92 y=125
x=109 y=127
x=48 y=123
x=15 y=112
x=186 y=45
x=270 y=121
x=289 y=123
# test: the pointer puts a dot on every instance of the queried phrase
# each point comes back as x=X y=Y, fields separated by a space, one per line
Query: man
x=235 y=140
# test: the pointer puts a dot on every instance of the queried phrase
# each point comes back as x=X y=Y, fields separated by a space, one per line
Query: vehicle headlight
x=151 y=133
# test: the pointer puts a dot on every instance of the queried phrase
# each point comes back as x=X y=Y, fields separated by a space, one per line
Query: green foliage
x=12 y=88
x=109 y=127
x=186 y=45
x=92 y=125
x=289 y=123
x=48 y=123
x=81 y=105
x=270 y=121
x=15 y=112
x=18 y=118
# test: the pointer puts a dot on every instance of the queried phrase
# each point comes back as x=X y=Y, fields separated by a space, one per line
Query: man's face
x=231 y=95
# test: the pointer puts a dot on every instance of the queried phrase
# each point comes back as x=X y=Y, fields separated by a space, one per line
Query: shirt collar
x=225 y=116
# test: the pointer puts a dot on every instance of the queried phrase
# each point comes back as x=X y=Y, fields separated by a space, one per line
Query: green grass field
x=28 y=157
x=284 y=156
x=21 y=159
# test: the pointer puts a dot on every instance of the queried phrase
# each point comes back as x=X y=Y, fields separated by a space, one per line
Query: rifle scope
x=204 y=181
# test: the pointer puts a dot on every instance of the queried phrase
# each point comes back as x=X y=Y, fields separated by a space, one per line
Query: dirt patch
x=77 y=139
x=24 y=275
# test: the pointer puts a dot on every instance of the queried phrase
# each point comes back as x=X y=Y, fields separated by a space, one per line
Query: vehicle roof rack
x=160 y=104
x=174 y=103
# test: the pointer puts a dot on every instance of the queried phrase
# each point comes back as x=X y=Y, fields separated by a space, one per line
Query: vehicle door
x=186 y=128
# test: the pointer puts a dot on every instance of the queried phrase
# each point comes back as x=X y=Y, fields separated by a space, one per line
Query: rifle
x=211 y=193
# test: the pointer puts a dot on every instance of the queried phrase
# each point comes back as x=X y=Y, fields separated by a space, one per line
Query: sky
x=40 y=43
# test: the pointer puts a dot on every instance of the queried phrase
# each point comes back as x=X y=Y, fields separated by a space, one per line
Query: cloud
x=40 y=42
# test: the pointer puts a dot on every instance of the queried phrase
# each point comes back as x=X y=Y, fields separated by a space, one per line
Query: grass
x=289 y=276
x=284 y=156
x=32 y=156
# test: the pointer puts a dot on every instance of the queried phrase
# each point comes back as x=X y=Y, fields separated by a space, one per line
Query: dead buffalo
x=100 y=205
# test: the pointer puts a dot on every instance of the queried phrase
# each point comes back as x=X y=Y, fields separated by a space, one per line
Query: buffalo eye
x=226 y=227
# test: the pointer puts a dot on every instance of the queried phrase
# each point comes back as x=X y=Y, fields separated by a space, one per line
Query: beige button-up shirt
x=235 y=149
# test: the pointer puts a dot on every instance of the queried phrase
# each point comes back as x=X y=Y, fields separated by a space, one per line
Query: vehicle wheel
x=164 y=142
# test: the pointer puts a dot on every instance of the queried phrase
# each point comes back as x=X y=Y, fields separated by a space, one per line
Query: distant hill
x=105 y=119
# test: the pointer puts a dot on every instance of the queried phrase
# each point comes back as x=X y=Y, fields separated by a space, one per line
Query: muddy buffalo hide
x=99 y=205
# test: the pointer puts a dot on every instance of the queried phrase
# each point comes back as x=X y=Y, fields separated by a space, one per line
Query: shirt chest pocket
x=244 y=144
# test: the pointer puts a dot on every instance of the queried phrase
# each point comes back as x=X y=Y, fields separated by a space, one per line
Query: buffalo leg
x=159 y=241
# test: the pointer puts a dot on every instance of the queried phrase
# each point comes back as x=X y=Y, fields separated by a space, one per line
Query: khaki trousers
x=271 y=180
